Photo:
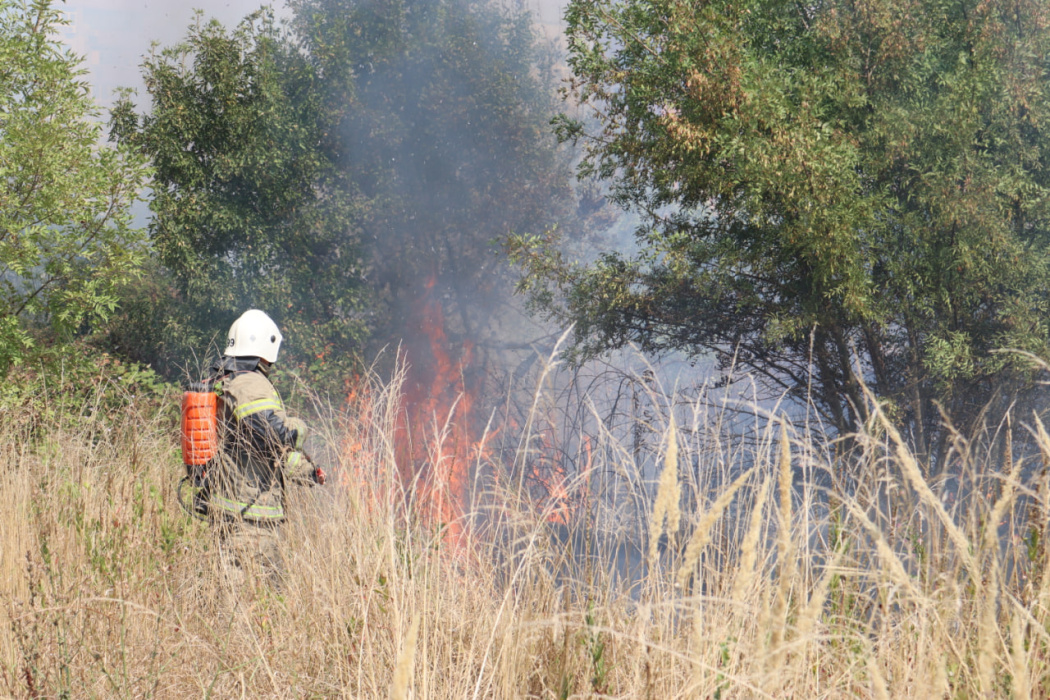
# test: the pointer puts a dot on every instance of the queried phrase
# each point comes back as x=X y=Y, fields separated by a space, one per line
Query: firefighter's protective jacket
x=260 y=444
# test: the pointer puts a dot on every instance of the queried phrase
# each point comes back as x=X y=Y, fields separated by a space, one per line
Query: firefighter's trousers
x=249 y=552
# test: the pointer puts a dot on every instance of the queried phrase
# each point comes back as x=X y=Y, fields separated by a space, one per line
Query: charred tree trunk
x=918 y=400
x=850 y=382
x=829 y=384
x=878 y=359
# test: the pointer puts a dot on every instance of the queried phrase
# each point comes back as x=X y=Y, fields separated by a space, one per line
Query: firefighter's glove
x=318 y=476
x=299 y=427
x=295 y=460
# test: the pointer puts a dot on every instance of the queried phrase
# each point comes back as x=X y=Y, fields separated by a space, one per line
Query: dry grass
x=777 y=582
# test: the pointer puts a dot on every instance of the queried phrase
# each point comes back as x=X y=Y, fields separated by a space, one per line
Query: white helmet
x=254 y=334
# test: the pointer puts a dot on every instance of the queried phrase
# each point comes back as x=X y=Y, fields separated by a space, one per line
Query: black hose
x=193 y=511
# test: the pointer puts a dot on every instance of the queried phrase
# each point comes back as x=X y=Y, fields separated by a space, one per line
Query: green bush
x=77 y=384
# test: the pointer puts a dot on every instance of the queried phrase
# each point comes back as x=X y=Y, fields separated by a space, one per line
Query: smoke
x=446 y=138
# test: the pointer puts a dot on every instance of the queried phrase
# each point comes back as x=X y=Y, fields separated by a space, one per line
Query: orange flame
x=549 y=475
x=440 y=403
x=356 y=453
x=437 y=439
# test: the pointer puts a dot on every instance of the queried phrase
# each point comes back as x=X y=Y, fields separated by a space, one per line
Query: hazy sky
x=114 y=35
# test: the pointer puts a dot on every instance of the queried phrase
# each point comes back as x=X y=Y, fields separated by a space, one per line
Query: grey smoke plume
x=446 y=137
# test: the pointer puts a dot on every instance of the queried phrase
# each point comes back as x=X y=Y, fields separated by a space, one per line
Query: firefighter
x=261 y=451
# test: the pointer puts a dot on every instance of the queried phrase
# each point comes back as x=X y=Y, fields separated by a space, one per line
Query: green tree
x=839 y=190
x=248 y=208
x=66 y=242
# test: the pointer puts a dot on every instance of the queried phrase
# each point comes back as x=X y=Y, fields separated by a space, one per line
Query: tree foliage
x=248 y=208
x=839 y=190
x=66 y=241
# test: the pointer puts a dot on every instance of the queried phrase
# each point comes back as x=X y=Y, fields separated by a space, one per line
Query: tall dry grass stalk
x=749 y=547
x=702 y=534
x=666 y=513
x=403 y=670
x=1019 y=666
x=882 y=584
x=988 y=631
x=909 y=466
x=785 y=550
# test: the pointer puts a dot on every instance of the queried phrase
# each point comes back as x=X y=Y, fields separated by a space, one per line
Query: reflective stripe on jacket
x=257 y=436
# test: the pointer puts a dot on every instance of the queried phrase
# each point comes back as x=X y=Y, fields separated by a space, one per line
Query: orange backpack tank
x=200 y=437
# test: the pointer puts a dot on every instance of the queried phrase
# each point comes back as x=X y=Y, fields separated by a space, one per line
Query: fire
x=440 y=401
x=550 y=483
x=439 y=437
x=356 y=452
